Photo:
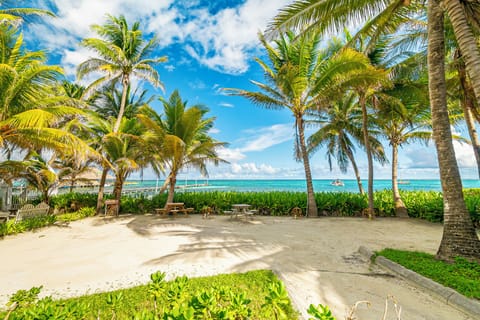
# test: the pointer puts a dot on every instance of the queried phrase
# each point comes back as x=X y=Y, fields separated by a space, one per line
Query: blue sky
x=211 y=45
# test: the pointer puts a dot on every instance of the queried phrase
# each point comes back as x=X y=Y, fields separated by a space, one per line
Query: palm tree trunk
x=118 y=187
x=311 y=203
x=171 y=189
x=366 y=141
x=466 y=41
x=400 y=210
x=101 y=190
x=468 y=104
x=165 y=185
x=125 y=83
x=355 y=170
x=459 y=237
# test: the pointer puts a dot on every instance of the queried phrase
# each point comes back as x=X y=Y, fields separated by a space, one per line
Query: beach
x=317 y=259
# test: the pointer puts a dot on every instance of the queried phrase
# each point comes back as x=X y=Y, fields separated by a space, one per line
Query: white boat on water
x=337 y=183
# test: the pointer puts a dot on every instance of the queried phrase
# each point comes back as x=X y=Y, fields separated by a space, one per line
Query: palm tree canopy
x=12 y=15
x=122 y=52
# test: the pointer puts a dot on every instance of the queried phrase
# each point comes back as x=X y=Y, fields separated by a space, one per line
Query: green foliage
x=80 y=214
x=218 y=297
x=69 y=202
x=320 y=312
x=463 y=276
x=13 y=227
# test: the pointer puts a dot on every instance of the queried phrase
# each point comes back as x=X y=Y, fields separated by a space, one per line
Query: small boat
x=403 y=182
x=337 y=183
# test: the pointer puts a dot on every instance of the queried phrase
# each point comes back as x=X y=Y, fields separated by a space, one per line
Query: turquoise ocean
x=290 y=185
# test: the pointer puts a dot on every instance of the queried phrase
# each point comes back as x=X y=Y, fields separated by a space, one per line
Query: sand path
x=316 y=258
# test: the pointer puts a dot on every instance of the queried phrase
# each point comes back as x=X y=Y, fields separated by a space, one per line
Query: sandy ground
x=317 y=258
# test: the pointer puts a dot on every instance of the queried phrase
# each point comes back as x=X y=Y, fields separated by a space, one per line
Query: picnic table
x=174 y=208
x=241 y=209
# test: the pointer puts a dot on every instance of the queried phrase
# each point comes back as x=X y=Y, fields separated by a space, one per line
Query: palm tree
x=385 y=17
x=403 y=123
x=301 y=79
x=341 y=129
x=122 y=54
x=10 y=15
x=108 y=102
x=181 y=138
x=459 y=236
x=30 y=109
x=464 y=14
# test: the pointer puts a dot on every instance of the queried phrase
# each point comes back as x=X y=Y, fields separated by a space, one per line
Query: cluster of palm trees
x=389 y=80
x=62 y=129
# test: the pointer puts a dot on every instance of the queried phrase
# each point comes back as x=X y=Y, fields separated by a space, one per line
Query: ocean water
x=291 y=185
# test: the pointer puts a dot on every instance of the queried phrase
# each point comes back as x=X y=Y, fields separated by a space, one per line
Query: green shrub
x=13 y=227
x=77 y=215
x=251 y=295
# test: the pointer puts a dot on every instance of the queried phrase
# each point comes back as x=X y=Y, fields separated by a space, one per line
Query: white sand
x=316 y=258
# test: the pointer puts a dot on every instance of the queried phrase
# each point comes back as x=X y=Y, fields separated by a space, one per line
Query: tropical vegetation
x=255 y=294
x=381 y=18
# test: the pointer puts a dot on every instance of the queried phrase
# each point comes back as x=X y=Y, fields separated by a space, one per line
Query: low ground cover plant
x=462 y=275
x=251 y=295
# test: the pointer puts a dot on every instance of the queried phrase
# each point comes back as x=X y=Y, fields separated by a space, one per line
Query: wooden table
x=240 y=209
x=174 y=208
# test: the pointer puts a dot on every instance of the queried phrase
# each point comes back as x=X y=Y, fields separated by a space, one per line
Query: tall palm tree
x=299 y=78
x=463 y=15
x=401 y=126
x=123 y=53
x=341 y=129
x=459 y=236
x=385 y=17
x=184 y=138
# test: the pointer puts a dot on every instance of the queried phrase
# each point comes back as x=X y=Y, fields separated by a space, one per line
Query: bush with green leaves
x=251 y=295
x=12 y=227
x=77 y=215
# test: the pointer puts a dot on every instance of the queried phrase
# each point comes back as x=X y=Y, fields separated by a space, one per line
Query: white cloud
x=231 y=155
x=222 y=41
x=464 y=154
x=264 y=138
x=252 y=169
x=226 y=105
x=214 y=131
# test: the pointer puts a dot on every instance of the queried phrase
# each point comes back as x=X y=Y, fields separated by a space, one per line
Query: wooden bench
x=174 y=208
x=31 y=211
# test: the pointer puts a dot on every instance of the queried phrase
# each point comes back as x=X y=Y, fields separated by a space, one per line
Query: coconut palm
x=123 y=53
x=30 y=109
x=108 y=102
x=459 y=236
x=404 y=120
x=181 y=138
x=301 y=79
x=12 y=15
x=384 y=17
x=341 y=129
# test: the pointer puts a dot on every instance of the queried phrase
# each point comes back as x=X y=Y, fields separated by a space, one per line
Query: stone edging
x=447 y=295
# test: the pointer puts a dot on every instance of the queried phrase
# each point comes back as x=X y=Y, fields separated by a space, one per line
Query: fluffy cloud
x=221 y=41
x=464 y=154
x=264 y=138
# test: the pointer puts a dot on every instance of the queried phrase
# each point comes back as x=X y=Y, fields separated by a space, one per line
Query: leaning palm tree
x=123 y=53
x=301 y=79
x=340 y=129
x=184 y=138
x=384 y=17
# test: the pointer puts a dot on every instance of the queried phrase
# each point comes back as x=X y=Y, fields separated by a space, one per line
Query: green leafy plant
x=320 y=312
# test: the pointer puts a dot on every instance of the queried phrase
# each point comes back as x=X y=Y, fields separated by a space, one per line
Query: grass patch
x=462 y=275
x=251 y=295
